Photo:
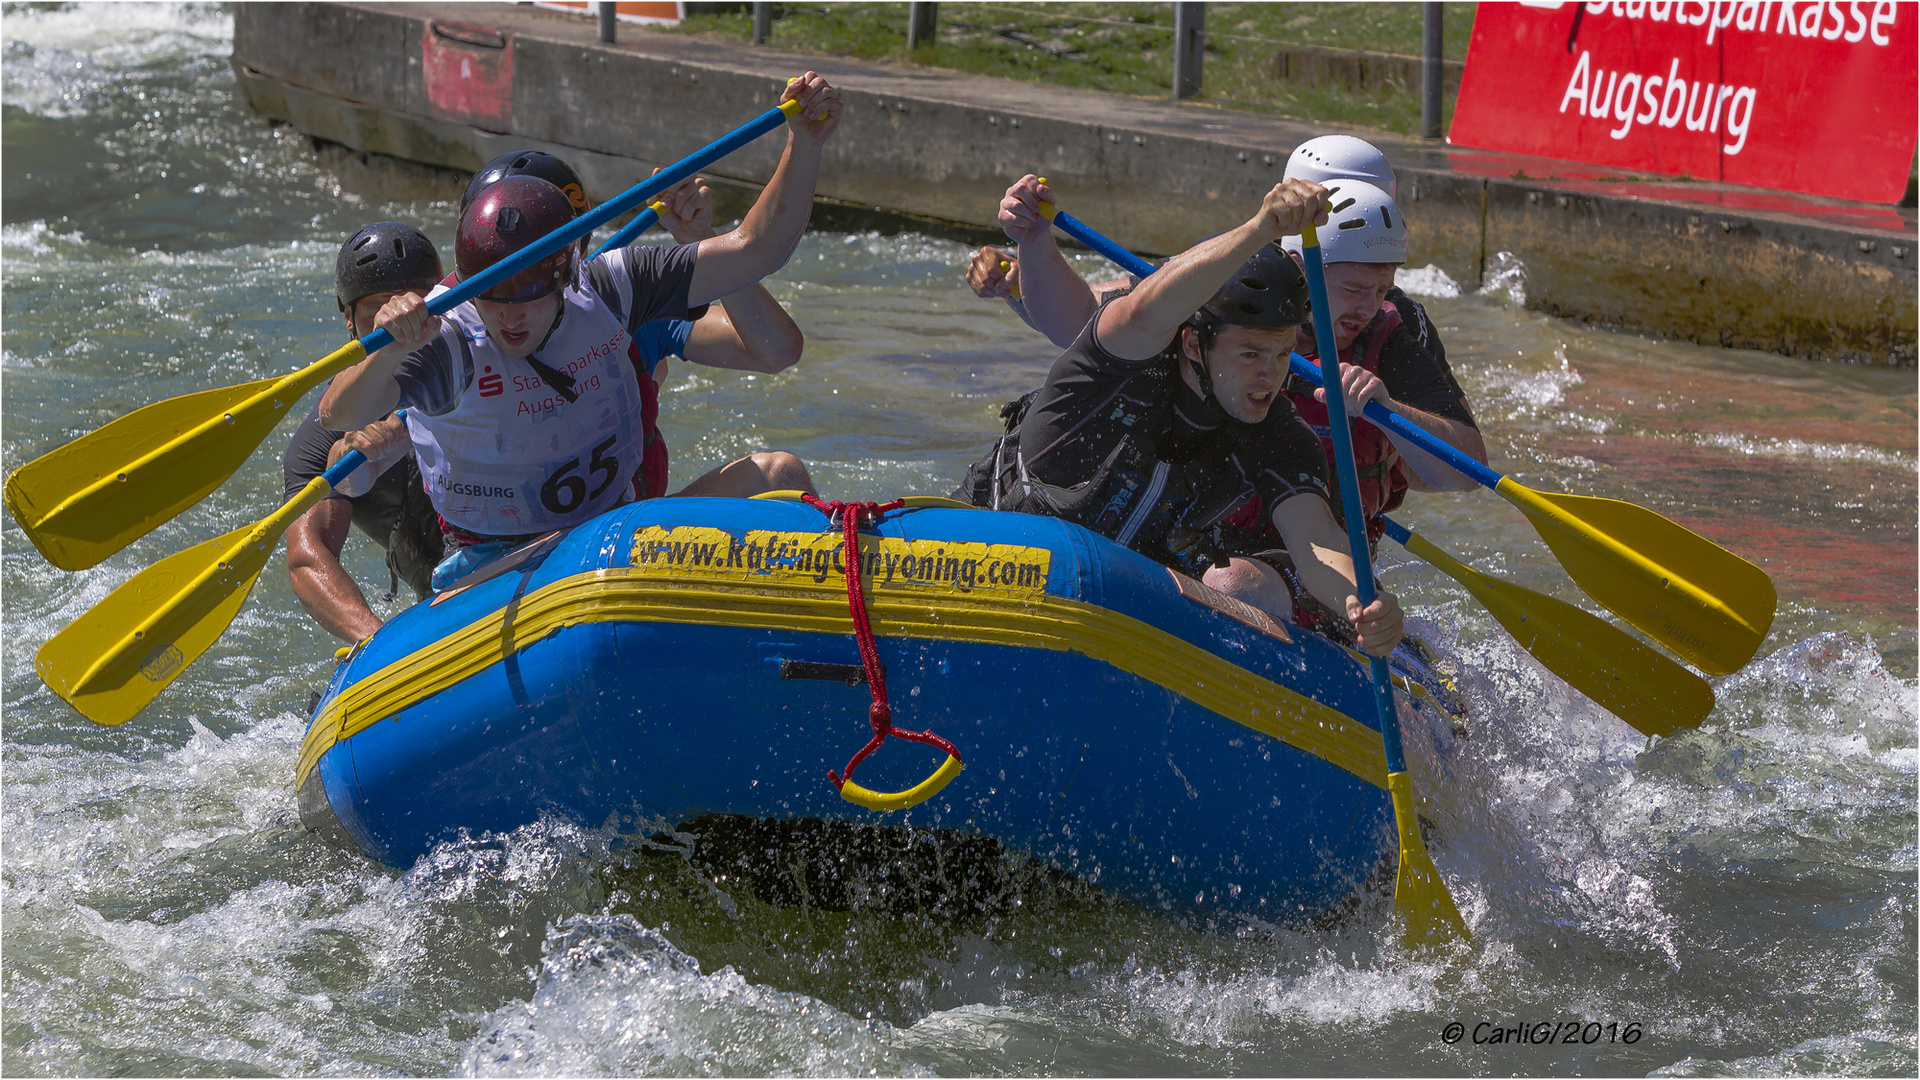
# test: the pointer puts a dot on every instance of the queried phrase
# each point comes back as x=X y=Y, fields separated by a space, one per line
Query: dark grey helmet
x=1267 y=292
x=386 y=256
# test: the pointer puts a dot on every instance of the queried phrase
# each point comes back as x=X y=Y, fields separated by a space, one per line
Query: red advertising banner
x=1813 y=97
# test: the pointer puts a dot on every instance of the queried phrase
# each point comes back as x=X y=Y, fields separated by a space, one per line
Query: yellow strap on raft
x=901 y=800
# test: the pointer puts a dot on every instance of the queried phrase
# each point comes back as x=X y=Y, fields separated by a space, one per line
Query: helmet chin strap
x=1203 y=370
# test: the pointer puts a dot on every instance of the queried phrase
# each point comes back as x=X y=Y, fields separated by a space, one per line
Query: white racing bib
x=514 y=456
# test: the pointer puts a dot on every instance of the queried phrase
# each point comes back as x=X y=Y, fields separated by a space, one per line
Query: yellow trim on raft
x=1046 y=622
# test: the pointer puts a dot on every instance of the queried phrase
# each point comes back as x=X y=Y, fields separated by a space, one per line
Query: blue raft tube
x=683 y=657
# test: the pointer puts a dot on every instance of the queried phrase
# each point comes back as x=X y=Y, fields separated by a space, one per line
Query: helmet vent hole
x=1343 y=205
x=1251 y=309
x=399 y=248
x=1254 y=284
x=368 y=259
x=361 y=241
x=1385 y=218
x=1354 y=223
x=508 y=219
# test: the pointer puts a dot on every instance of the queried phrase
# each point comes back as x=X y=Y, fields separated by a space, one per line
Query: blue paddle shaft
x=628 y=233
x=1350 y=503
x=1396 y=532
x=591 y=220
x=1403 y=427
x=1119 y=256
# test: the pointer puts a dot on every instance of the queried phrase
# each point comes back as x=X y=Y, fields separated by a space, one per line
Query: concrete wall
x=382 y=78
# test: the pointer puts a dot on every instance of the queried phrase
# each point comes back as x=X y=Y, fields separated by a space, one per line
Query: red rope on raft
x=879 y=714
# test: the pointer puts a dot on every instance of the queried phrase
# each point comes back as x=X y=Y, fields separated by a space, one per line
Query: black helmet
x=1267 y=292
x=386 y=256
x=510 y=215
x=528 y=163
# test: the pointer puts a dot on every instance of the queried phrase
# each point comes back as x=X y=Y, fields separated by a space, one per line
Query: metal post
x=762 y=21
x=921 y=20
x=607 y=22
x=1189 y=42
x=1430 y=72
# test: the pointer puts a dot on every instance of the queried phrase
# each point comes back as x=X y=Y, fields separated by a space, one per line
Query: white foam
x=58 y=60
x=614 y=998
x=1428 y=280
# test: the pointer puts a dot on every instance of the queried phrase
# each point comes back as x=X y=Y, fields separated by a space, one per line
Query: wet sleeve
x=430 y=378
x=306 y=454
x=1414 y=378
x=1291 y=459
x=660 y=275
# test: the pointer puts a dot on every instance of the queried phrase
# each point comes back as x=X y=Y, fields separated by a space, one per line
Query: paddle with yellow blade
x=1611 y=667
x=1707 y=604
x=1629 y=679
x=1686 y=592
x=102 y=491
x=1419 y=894
x=111 y=661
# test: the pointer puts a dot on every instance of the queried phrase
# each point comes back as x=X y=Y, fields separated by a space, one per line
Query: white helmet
x=1335 y=157
x=1364 y=226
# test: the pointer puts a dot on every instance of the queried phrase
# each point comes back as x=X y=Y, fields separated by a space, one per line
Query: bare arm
x=749 y=331
x=1428 y=473
x=1319 y=549
x=767 y=235
x=1058 y=302
x=1138 y=325
x=323 y=587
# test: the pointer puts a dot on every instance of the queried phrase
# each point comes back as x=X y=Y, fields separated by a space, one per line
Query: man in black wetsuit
x=1165 y=417
x=384 y=498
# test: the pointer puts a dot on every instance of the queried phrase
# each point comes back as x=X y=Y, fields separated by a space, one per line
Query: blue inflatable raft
x=683 y=657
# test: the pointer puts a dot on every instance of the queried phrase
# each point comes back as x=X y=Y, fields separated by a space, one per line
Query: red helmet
x=507 y=216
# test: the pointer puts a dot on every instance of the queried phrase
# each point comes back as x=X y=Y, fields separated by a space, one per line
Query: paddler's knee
x=1254 y=582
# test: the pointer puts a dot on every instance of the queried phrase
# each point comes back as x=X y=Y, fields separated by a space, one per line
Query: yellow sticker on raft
x=888 y=564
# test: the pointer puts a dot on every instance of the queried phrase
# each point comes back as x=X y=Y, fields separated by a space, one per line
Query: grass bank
x=1127 y=48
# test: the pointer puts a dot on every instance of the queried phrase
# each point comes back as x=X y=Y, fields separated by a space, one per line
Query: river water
x=1738 y=899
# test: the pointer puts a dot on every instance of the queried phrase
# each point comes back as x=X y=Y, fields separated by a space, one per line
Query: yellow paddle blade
x=1707 y=604
x=110 y=662
x=1612 y=668
x=1419 y=895
x=102 y=491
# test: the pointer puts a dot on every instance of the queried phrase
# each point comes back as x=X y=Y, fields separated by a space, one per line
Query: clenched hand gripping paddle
x=102 y=491
x=1419 y=893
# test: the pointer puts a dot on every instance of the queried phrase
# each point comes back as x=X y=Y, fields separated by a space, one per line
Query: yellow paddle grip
x=901 y=800
x=1046 y=208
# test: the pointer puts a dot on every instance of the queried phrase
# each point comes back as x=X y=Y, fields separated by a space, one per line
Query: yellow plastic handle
x=901 y=800
x=1046 y=208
